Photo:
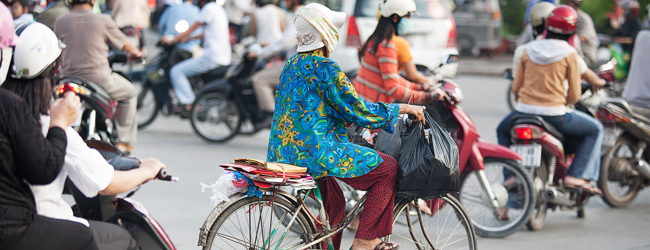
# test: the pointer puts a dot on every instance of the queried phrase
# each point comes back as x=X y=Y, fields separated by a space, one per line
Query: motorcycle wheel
x=148 y=104
x=538 y=216
x=619 y=188
x=510 y=97
x=518 y=198
x=215 y=118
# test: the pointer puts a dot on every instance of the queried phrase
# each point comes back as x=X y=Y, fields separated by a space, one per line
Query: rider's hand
x=441 y=94
x=164 y=40
x=428 y=86
x=414 y=110
x=64 y=111
x=251 y=55
x=138 y=54
x=152 y=165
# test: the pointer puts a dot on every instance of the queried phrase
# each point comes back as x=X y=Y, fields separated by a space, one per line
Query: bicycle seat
x=214 y=74
x=520 y=118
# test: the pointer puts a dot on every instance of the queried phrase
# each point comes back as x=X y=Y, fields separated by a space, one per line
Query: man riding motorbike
x=626 y=34
x=167 y=29
x=637 y=87
x=85 y=167
x=53 y=10
x=20 y=10
x=539 y=87
x=86 y=36
x=217 y=52
x=265 y=81
x=586 y=33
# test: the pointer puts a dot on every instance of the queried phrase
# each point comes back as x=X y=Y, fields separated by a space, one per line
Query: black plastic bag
x=428 y=162
x=388 y=143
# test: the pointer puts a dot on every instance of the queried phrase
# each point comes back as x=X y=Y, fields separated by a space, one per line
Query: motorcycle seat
x=641 y=112
x=214 y=74
x=520 y=118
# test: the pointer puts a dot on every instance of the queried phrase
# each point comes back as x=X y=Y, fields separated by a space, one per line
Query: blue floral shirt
x=314 y=102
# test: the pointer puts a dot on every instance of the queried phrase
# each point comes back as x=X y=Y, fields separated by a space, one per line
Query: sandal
x=584 y=187
x=382 y=246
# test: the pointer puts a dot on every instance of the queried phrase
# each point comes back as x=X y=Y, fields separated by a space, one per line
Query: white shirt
x=216 y=37
x=24 y=18
x=85 y=167
x=267 y=23
x=287 y=43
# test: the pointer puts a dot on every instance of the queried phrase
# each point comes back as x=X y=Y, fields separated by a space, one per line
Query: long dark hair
x=37 y=92
x=385 y=30
x=553 y=35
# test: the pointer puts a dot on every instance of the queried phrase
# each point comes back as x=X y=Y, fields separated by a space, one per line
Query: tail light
x=62 y=88
x=353 y=39
x=527 y=132
x=606 y=116
x=451 y=42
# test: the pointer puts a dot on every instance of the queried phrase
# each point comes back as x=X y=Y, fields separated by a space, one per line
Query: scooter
x=624 y=169
x=499 y=204
x=125 y=212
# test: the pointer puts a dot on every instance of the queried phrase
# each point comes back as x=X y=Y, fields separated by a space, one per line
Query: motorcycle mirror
x=182 y=26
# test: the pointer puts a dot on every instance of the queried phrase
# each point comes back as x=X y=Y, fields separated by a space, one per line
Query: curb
x=484 y=67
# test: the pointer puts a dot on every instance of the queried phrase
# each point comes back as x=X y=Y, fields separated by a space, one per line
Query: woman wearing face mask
x=385 y=55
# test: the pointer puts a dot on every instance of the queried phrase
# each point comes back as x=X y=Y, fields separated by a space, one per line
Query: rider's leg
x=578 y=125
x=188 y=68
x=124 y=93
x=265 y=82
x=111 y=236
x=334 y=202
x=376 y=220
x=503 y=130
x=592 y=170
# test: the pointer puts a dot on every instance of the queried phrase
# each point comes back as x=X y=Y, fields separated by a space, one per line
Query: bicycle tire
x=437 y=238
x=255 y=205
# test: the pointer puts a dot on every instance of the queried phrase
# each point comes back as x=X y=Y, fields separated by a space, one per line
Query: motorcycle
x=498 y=204
x=98 y=109
x=124 y=212
x=624 y=169
x=224 y=106
x=547 y=155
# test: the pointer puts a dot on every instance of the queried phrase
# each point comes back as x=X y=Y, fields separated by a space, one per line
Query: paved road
x=181 y=207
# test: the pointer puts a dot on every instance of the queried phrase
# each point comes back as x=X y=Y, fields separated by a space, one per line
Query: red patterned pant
x=376 y=219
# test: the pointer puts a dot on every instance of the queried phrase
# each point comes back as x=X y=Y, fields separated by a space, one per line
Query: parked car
x=479 y=25
x=432 y=35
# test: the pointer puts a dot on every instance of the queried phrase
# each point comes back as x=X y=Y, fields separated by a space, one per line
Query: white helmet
x=400 y=7
x=540 y=12
x=38 y=49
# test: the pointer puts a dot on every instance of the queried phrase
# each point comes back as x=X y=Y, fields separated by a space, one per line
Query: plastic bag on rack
x=428 y=162
x=230 y=183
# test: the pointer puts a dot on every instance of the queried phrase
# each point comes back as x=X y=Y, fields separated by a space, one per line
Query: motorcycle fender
x=143 y=227
x=475 y=160
x=491 y=150
x=220 y=85
x=207 y=224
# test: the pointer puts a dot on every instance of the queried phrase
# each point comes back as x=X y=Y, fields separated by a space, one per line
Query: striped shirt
x=378 y=79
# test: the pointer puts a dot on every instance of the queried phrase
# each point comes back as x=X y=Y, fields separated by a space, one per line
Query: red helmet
x=562 y=20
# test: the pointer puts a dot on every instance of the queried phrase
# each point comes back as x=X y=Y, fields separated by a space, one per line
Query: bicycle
x=252 y=223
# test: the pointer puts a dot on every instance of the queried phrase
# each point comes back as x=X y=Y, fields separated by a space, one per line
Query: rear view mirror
x=449 y=58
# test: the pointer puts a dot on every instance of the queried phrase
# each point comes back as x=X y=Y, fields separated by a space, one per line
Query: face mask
x=404 y=26
x=4 y=63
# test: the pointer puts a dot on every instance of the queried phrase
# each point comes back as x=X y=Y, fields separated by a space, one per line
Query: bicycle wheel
x=448 y=227
x=250 y=223
x=514 y=193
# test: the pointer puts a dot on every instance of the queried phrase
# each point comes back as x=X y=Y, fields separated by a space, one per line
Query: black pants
x=112 y=237
x=47 y=233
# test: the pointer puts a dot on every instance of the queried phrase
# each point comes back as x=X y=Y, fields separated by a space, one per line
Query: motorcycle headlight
x=457 y=95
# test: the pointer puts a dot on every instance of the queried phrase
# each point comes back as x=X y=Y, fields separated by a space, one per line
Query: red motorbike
x=496 y=190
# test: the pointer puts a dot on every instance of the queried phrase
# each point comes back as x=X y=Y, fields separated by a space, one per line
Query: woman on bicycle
x=314 y=103
x=385 y=54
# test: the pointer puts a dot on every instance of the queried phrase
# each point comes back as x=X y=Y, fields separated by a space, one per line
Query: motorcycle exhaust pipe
x=643 y=167
x=554 y=196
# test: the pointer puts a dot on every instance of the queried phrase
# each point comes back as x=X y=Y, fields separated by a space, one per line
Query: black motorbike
x=98 y=109
x=624 y=168
x=228 y=106
x=153 y=84
x=125 y=212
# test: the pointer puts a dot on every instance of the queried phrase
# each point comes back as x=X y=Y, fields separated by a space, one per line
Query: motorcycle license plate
x=610 y=134
x=532 y=154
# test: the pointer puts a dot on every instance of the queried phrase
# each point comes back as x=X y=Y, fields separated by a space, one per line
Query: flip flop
x=586 y=188
x=382 y=246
